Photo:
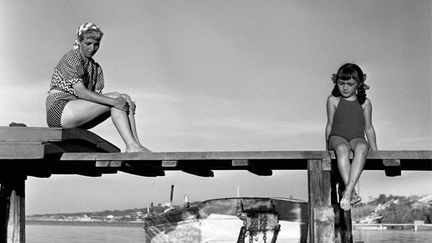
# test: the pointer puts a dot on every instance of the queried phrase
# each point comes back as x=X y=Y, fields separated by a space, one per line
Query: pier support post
x=345 y=226
x=321 y=214
x=12 y=209
x=344 y=221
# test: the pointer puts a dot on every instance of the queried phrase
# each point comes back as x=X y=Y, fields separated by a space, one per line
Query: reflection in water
x=391 y=236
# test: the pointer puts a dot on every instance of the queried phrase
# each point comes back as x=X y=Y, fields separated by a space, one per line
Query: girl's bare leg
x=342 y=155
x=358 y=163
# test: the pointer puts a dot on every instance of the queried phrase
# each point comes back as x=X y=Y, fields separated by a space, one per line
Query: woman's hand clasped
x=121 y=104
x=132 y=105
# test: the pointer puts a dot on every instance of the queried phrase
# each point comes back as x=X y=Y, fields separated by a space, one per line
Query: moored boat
x=240 y=219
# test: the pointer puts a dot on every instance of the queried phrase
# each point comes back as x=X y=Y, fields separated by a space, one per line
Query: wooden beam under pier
x=261 y=161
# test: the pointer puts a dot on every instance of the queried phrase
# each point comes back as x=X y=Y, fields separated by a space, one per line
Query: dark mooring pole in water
x=171 y=194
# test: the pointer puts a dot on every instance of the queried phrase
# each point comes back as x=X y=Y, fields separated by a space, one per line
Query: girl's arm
x=85 y=94
x=331 y=104
x=369 y=129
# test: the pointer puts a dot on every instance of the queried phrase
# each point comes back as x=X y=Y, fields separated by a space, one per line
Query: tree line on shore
x=394 y=209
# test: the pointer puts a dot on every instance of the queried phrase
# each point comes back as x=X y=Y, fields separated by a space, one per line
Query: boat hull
x=231 y=220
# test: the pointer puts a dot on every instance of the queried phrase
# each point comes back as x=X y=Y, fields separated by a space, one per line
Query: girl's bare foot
x=355 y=198
x=345 y=202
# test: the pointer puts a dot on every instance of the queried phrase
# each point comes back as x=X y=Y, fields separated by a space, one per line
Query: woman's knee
x=113 y=95
x=125 y=96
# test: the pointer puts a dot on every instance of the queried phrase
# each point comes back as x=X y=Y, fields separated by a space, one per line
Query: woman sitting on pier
x=349 y=118
x=75 y=97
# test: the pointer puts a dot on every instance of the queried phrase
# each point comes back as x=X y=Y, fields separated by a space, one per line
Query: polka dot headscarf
x=84 y=27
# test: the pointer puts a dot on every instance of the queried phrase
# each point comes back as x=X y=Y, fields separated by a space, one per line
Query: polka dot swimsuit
x=70 y=70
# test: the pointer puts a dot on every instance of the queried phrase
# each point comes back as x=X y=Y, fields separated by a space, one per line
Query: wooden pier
x=42 y=152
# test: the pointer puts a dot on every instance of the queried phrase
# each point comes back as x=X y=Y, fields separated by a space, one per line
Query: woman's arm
x=331 y=104
x=369 y=129
x=85 y=94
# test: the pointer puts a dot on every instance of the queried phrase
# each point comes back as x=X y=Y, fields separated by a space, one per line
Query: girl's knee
x=361 y=148
x=341 y=149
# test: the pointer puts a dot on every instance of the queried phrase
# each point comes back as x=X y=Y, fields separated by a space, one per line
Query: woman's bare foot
x=145 y=149
x=135 y=149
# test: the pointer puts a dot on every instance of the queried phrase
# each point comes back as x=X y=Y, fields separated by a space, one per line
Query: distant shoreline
x=141 y=225
x=84 y=223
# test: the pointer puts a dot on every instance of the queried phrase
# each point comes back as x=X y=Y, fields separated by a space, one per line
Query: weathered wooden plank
x=51 y=149
x=91 y=138
x=40 y=174
x=392 y=162
x=260 y=171
x=53 y=135
x=392 y=167
x=169 y=163
x=326 y=163
x=21 y=151
x=90 y=173
x=240 y=163
x=241 y=156
x=223 y=155
x=109 y=164
x=237 y=160
x=30 y=134
x=344 y=217
x=401 y=154
x=346 y=226
x=140 y=170
x=199 y=172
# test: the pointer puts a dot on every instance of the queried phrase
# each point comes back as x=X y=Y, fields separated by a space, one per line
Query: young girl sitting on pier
x=349 y=118
x=75 y=97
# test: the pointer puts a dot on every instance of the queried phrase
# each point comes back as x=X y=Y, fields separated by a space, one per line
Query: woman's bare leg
x=121 y=122
x=131 y=117
x=80 y=112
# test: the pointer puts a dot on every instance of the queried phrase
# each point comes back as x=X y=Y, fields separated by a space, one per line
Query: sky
x=223 y=76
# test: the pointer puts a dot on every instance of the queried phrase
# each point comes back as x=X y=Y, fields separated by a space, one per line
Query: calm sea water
x=41 y=233
x=392 y=236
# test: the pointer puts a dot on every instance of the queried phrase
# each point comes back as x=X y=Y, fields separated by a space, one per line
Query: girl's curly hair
x=351 y=71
